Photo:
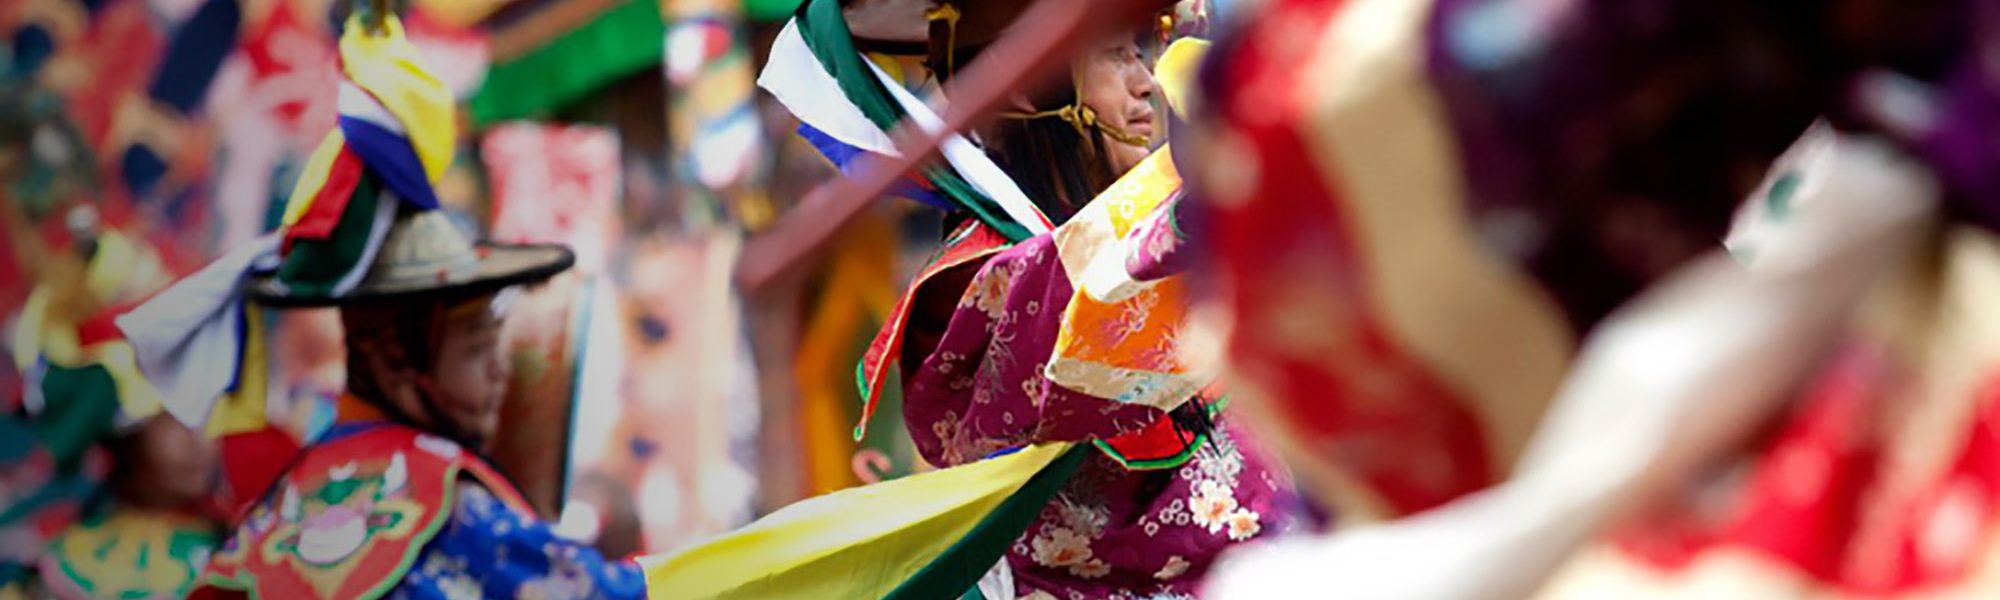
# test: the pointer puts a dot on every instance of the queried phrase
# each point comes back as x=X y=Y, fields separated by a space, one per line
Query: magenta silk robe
x=1111 y=532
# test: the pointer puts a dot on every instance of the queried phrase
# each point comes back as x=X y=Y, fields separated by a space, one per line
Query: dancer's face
x=465 y=379
x=471 y=370
x=1118 y=85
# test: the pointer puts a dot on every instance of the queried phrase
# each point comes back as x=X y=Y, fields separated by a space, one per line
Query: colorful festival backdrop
x=198 y=114
x=717 y=169
x=690 y=406
x=629 y=129
x=555 y=183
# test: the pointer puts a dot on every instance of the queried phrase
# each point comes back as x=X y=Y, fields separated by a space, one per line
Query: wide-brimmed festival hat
x=422 y=254
x=364 y=223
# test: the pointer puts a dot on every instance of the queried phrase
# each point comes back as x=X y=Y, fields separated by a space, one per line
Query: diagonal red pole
x=1041 y=41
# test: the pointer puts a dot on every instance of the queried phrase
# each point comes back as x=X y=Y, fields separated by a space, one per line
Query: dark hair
x=404 y=335
x=1058 y=168
x=407 y=332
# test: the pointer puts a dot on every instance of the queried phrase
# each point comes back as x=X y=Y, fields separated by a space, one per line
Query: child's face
x=471 y=370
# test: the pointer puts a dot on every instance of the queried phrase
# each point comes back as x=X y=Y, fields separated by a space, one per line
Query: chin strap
x=1083 y=118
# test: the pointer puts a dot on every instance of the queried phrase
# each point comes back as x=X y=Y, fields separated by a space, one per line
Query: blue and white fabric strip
x=177 y=335
x=848 y=160
x=391 y=158
x=969 y=160
x=800 y=83
x=382 y=143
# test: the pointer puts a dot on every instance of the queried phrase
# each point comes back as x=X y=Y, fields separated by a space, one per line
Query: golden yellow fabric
x=387 y=66
x=136 y=397
x=1120 y=337
x=314 y=176
x=243 y=410
x=860 y=291
x=1175 y=70
x=856 y=543
x=460 y=13
x=119 y=267
x=33 y=336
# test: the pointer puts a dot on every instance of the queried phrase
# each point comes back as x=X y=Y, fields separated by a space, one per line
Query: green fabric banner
x=313 y=268
x=769 y=10
x=81 y=406
x=825 y=32
x=616 y=44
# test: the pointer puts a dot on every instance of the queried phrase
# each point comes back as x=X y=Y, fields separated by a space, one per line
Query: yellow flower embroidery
x=1244 y=524
x=1035 y=388
x=1061 y=547
x=989 y=291
x=1212 y=505
x=1090 y=570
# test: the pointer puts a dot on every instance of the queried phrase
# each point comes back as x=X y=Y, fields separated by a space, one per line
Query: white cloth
x=188 y=338
x=1663 y=386
x=796 y=78
x=998 y=582
x=970 y=161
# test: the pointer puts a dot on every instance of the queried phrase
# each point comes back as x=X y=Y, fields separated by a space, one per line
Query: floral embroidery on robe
x=490 y=551
x=1111 y=532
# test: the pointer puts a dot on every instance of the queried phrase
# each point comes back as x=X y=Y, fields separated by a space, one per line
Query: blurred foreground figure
x=93 y=474
x=1469 y=267
x=395 y=499
x=1073 y=337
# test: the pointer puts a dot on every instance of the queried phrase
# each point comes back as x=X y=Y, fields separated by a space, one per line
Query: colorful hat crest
x=363 y=222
